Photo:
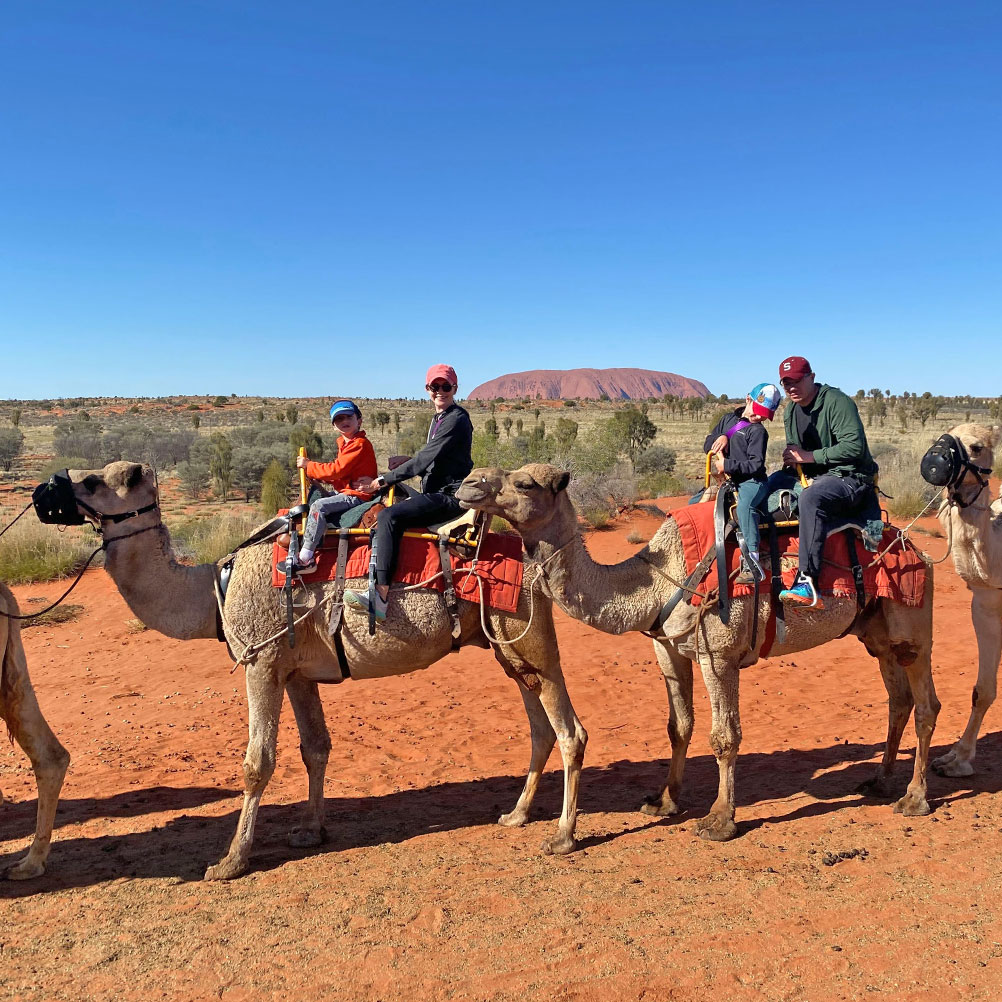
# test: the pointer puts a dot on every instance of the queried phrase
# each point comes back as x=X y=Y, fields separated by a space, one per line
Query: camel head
x=961 y=460
x=527 y=497
x=118 y=492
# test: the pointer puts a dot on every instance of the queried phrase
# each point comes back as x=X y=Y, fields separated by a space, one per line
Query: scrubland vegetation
x=225 y=463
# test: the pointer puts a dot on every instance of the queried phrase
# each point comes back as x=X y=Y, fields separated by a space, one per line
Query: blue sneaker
x=360 y=600
x=802 y=593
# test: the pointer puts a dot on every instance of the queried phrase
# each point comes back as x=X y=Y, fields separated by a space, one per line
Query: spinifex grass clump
x=31 y=551
x=205 y=539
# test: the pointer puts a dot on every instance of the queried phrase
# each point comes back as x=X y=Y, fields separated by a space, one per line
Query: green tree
x=15 y=417
x=194 y=475
x=274 y=488
x=382 y=420
x=396 y=422
x=491 y=427
x=565 y=432
x=11 y=443
x=195 y=421
x=303 y=436
x=632 y=430
x=221 y=463
x=292 y=413
x=507 y=423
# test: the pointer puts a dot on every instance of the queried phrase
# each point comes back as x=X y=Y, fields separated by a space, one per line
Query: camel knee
x=258 y=769
x=572 y=746
x=905 y=653
x=680 y=730
x=982 y=696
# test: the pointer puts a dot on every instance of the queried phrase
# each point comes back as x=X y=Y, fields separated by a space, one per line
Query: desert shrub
x=656 y=459
x=62 y=463
x=490 y=451
x=303 y=436
x=194 y=477
x=292 y=414
x=661 y=485
x=221 y=463
x=276 y=487
x=598 y=496
x=205 y=539
x=31 y=551
x=68 y=440
x=11 y=443
x=635 y=537
x=415 y=435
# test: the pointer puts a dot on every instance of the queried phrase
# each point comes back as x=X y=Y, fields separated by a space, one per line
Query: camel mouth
x=469 y=497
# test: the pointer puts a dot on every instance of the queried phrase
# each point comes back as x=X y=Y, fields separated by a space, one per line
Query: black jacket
x=445 y=461
x=745 y=459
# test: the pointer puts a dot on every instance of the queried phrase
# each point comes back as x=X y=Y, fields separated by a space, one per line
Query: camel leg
x=49 y=759
x=986 y=612
x=721 y=680
x=917 y=662
x=315 y=746
x=677 y=672
x=543 y=740
x=264 y=703
x=899 y=709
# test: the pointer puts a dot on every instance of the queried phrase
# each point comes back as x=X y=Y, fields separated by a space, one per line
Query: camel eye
x=524 y=484
x=975 y=449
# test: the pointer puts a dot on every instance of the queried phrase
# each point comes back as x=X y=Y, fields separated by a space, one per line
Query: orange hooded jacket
x=355 y=458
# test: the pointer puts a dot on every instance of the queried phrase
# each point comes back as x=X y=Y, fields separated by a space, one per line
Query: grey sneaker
x=360 y=600
x=751 y=571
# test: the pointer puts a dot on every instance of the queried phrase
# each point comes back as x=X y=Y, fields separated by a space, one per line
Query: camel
x=25 y=724
x=973 y=523
x=628 y=596
x=180 y=601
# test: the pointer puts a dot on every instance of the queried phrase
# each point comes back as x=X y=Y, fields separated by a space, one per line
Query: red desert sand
x=418 y=895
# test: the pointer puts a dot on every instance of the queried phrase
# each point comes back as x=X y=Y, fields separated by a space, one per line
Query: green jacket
x=843 y=442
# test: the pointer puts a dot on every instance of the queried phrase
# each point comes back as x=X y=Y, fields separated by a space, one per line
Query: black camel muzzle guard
x=947 y=462
x=56 y=504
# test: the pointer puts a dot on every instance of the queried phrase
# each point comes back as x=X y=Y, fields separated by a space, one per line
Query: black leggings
x=417 y=510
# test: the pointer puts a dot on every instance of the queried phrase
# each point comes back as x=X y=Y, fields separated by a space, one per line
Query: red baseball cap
x=446 y=372
x=794 y=367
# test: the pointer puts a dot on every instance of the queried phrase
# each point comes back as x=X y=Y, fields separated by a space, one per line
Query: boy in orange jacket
x=356 y=459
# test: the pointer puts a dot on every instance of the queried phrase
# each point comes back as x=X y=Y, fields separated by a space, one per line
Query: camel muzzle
x=54 y=501
x=947 y=463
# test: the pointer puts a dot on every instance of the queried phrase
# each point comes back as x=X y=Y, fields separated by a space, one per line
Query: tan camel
x=974 y=526
x=628 y=596
x=25 y=723
x=180 y=602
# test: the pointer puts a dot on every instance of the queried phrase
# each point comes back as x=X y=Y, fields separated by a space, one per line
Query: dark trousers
x=828 y=500
x=417 y=510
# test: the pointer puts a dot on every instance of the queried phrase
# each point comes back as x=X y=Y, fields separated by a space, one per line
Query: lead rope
x=26 y=507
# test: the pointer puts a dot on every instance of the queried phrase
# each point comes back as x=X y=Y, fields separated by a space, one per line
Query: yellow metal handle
x=303 y=494
x=706 y=479
x=804 y=482
x=390 y=495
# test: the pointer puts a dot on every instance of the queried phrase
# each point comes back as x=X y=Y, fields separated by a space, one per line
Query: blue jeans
x=752 y=497
x=322 y=511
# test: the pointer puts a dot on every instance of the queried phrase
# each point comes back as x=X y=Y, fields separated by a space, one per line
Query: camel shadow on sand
x=183 y=846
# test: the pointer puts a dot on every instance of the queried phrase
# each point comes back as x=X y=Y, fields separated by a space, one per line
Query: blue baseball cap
x=765 y=399
x=344 y=407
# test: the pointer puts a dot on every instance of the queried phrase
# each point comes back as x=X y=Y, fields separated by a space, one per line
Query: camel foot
x=307 y=838
x=25 y=870
x=716 y=829
x=560 y=846
x=951 y=764
x=226 y=869
x=515 y=819
x=912 y=805
x=877 y=787
x=660 y=807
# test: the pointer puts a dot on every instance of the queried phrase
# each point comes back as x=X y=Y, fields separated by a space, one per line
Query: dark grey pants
x=417 y=510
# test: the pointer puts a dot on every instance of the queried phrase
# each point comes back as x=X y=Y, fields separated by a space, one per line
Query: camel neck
x=976 y=536
x=613 y=598
x=173 y=599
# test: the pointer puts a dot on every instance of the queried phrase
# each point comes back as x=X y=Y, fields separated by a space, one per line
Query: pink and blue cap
x=765 y=399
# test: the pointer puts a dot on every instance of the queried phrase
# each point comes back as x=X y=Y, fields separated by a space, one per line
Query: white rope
x=251 y=649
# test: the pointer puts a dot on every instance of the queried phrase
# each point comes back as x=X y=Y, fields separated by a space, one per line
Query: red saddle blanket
x=896 y=572
x=499 y=567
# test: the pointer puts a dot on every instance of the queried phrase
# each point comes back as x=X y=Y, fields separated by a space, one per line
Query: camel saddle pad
x=896 y=572
x=499 y=567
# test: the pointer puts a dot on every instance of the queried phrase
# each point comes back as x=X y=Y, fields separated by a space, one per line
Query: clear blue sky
x=318 y=198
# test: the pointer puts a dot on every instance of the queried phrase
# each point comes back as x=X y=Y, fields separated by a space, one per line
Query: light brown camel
x=973 y=523
x=628 y=596
x=179 y=601
x=25 y=723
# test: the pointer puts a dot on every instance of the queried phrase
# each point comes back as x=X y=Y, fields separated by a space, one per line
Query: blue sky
x=323 y=199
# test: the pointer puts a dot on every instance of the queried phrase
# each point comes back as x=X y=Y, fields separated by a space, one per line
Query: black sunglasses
x=444 y=387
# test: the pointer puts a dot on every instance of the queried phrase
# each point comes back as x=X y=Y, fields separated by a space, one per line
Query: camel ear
x=135 y=476
x=561 y=482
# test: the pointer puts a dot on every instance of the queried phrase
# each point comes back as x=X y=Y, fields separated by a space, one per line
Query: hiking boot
x=360 y=600
x=300 y=570
x=751 y=571
x=802 y=593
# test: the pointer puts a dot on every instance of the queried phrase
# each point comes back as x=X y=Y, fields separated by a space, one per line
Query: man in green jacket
x=825 y=436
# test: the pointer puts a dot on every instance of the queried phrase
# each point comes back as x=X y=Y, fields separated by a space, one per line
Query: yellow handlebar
x=303 y=493
x=804 y=482
x=706 y=480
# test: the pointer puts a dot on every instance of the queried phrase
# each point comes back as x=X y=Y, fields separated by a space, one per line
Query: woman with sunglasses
x=442 y=464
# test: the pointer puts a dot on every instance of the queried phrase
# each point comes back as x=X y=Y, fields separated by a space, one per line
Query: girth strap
x=720 y=543
x=857 y=569
x=336 y=620
x=450 y=589
x=698 y=573
x=777 y=583
x=290 y=579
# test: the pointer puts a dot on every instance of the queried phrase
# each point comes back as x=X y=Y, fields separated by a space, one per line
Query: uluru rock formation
x=622 y=384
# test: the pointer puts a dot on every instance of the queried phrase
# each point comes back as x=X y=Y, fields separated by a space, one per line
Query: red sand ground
x=418 y=896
